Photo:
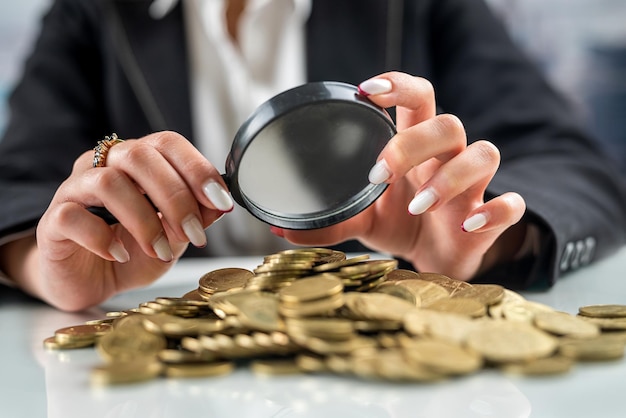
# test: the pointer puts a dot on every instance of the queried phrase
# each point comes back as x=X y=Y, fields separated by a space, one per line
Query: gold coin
x=332 y=257
x=320 y=346
x=595 y=349
x=442 y=325
x=182 y=356
x=564 y=324
x=495 y=310
x=173 y=326
x=259 y=311
x=300 y=266
x=506 y=342
x=378 y=306
x=129 y=341
x=393 y=365
x=442 y=356
x=369 y=267
x=399 y=292
x=339 y=364
x=523 y=311
x=540 y=367
x=320 y=306
x=451 y=285
x=311 y=363
x=86 y=333
x=193 y=295
x=607 y=324
x=51 y=343
x=335 y=329
x=275 y=367
x=125 y=372
x=428 y=292
x=224 y=279
x=463 y=306
x=373 y=325
x=100 y=321
x=199 y=370
x=401 y=274
x=338 y=264
x=487 y=294
x=603 y=311
x=312 y=288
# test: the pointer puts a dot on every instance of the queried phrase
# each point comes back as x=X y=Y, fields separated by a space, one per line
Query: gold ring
x=102 y=149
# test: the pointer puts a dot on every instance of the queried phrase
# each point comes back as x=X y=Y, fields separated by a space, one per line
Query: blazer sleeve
x=56 y=114
x=574 y=195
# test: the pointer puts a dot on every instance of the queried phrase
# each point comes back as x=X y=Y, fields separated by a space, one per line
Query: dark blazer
x=102 y=66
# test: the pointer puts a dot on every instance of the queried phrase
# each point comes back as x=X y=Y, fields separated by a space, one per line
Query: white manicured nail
x=375 y=86
x=162 y=249
x=475 y=222
x=218 y=196
x=118 y=252
x=420 y=203
x=194 y=231
x=379 y=173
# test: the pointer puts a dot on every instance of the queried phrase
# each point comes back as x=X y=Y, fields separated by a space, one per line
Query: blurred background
x=19 y=22
x=579 y=44
x=581 y=47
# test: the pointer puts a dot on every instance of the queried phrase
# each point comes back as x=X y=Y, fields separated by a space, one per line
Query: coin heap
x=313 y=310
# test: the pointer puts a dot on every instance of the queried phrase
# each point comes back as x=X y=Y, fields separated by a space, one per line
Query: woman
x=182 y=76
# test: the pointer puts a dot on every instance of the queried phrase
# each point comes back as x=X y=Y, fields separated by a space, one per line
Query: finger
x=169 y=192
x=471 y=170
x=201 y=176
x=441 y=137
x=113 y=189
x=497 y=214
x=413 y=97
x=70 y=221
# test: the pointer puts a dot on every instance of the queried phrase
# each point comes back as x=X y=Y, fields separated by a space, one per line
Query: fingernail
x=277 y=231
x=424 y=200
x=162 y=249
x=374 y=86
x=218 y=196
x=194 y=231
x=379 y=173
x=118 y=252
x=474 y=222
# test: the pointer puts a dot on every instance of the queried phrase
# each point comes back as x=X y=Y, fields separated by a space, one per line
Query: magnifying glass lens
x=302 y=160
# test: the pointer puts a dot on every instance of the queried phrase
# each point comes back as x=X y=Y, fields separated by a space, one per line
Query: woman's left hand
x=433 y=213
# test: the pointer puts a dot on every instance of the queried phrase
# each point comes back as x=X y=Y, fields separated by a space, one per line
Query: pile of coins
x=313 y=310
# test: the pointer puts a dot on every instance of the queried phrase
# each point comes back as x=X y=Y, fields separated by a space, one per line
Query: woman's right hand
x=81 y=261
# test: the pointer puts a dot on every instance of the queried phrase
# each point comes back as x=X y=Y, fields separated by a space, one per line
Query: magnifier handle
x=104 y=214
x=112 y=220
x=108 y=216
x=226 y=179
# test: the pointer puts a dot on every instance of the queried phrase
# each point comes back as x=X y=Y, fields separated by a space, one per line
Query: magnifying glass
x=301 y=160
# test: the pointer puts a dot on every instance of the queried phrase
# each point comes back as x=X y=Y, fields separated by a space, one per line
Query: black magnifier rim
x=281 y=105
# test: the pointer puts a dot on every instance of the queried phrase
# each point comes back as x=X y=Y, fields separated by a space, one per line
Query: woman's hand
x=433 y=213
x=82 y=261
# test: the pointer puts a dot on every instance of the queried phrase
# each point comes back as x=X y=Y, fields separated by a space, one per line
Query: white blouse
x=229 y=81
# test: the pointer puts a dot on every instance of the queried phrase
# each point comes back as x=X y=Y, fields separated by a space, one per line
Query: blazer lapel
x=157 y=64
x=347 y=40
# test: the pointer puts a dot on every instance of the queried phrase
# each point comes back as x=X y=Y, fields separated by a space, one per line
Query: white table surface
x=38 y=383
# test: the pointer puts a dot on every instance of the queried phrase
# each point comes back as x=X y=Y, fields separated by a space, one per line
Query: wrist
x=17 y=260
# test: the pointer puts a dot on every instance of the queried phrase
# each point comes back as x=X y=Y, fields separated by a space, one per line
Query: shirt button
x=590 y=248
x=568 y=252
